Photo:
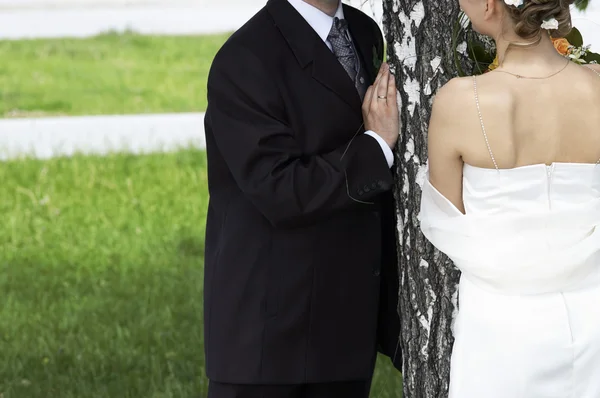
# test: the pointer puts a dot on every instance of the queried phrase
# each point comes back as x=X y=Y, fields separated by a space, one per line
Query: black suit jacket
x=298 y=214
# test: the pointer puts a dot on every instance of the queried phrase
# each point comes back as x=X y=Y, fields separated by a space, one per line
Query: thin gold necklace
x=535 y=78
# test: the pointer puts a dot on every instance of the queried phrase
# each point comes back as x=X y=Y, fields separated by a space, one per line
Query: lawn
x=107 y=74
x=101 y=278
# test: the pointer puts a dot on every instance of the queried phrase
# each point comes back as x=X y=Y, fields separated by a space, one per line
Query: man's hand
x=380 y=107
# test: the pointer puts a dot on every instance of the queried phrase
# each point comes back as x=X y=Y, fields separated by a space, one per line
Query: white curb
x=64 y=136
x=145 y=18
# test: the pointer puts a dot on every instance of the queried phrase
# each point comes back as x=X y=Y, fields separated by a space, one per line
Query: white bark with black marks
x=419 y=35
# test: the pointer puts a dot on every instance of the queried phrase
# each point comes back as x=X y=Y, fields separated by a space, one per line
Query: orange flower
x=562 y=46
x=494 y=64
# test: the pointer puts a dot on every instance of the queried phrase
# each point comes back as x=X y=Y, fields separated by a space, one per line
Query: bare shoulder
x=455 y=124
x=452 y=103
x=454 y=94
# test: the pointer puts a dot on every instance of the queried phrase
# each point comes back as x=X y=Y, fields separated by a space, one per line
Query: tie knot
x=339 y=30
x=340 y=24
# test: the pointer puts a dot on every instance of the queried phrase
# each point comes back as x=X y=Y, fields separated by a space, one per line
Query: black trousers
x=350 y=389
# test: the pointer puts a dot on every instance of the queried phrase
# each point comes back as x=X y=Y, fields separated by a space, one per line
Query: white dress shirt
x=322 y=24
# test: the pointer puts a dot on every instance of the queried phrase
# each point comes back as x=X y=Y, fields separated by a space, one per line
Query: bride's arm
x=446 y=129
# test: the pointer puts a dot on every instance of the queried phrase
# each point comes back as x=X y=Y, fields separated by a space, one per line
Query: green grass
x=101 y=278
x=108 y=74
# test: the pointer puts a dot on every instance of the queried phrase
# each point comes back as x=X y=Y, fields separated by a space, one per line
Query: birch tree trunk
x=419 y=35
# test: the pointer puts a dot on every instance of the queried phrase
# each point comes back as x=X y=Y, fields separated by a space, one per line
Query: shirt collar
x=317 y=19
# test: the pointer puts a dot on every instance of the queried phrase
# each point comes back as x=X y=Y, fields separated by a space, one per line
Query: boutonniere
x=376 y=60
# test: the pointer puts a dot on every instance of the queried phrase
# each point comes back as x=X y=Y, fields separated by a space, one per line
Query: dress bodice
x=530 y=229
x=537 y=188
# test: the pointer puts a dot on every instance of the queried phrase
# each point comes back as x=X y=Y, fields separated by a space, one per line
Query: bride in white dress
x=513 y=198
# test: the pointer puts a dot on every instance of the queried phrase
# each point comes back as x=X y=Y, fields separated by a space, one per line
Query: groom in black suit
x=301 y=282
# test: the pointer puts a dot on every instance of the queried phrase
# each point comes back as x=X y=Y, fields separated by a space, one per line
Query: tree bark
x=420 y=52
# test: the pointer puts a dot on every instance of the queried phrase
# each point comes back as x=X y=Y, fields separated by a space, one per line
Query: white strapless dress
x=528 y=324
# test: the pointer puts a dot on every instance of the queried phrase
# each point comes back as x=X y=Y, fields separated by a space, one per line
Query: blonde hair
x=529 y=17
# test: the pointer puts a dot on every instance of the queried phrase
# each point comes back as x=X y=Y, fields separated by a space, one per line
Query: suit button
x=374 y=185
x=362 y=80
x=376 y=272
x=367 y=189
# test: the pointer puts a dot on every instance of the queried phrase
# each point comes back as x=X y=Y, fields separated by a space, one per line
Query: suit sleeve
x=290 y=188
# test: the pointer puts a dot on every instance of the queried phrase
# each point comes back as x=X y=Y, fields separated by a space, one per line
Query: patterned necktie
x=343 y=49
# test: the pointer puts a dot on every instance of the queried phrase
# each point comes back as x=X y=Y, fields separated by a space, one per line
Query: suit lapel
x=308 y=48
x=363 y=41
x=328 y=71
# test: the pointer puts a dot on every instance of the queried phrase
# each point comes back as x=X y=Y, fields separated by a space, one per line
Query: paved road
x=79 y=18
x=58 y=4
x=48 y=137
x=41 y=4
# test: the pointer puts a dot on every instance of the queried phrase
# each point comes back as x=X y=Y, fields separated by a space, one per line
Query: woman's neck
x=536 y=55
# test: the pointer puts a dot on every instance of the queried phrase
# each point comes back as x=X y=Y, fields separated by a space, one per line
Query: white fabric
x=322 y=23
x=387 y=151
x=528 y=324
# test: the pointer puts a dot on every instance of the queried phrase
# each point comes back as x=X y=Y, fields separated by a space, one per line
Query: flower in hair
x=550 y=24
x=515 y=3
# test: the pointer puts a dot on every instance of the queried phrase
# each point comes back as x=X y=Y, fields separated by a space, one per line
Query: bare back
x=499 y=121
x=533 y=121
